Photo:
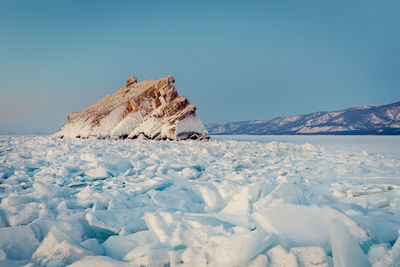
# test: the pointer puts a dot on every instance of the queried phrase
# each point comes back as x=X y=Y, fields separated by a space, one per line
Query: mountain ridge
x=360 y=120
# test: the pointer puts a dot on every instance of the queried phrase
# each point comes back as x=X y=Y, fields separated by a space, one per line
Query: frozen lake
x=232 y=201
x=374 y=144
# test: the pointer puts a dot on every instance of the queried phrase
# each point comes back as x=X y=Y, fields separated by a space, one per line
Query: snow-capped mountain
x=384 y=119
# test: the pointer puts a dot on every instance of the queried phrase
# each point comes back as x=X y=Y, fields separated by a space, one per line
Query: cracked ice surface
x=251 y=201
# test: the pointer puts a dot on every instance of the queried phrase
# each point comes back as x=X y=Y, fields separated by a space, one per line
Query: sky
x=235 y=60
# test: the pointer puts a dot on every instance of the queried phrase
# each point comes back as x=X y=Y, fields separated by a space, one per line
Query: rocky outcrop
x=150 y=109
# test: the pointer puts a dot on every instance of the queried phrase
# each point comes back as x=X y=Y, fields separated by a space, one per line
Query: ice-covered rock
x=150 y=109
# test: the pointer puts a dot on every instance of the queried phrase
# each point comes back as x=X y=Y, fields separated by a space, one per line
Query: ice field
x=232 y=201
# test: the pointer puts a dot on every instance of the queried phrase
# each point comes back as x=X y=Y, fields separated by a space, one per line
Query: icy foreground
x=218 y=203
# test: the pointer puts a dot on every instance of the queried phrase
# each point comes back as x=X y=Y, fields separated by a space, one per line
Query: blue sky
x=235 y=60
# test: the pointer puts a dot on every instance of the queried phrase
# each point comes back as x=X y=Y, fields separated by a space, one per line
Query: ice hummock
x=217 y=203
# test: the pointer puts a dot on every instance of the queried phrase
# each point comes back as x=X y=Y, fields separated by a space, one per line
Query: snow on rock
x=150 y=109
x=217 y=203
x=189 y=126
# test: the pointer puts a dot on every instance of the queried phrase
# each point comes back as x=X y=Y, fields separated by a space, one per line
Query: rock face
x=150 y=109
x=382 y=120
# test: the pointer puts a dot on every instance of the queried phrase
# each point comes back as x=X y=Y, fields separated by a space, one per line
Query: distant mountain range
x=382 y=120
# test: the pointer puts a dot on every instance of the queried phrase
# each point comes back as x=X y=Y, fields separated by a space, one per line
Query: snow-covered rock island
x=149 y=109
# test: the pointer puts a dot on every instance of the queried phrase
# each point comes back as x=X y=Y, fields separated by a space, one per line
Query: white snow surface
x=132 y=125
x=252 y=201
